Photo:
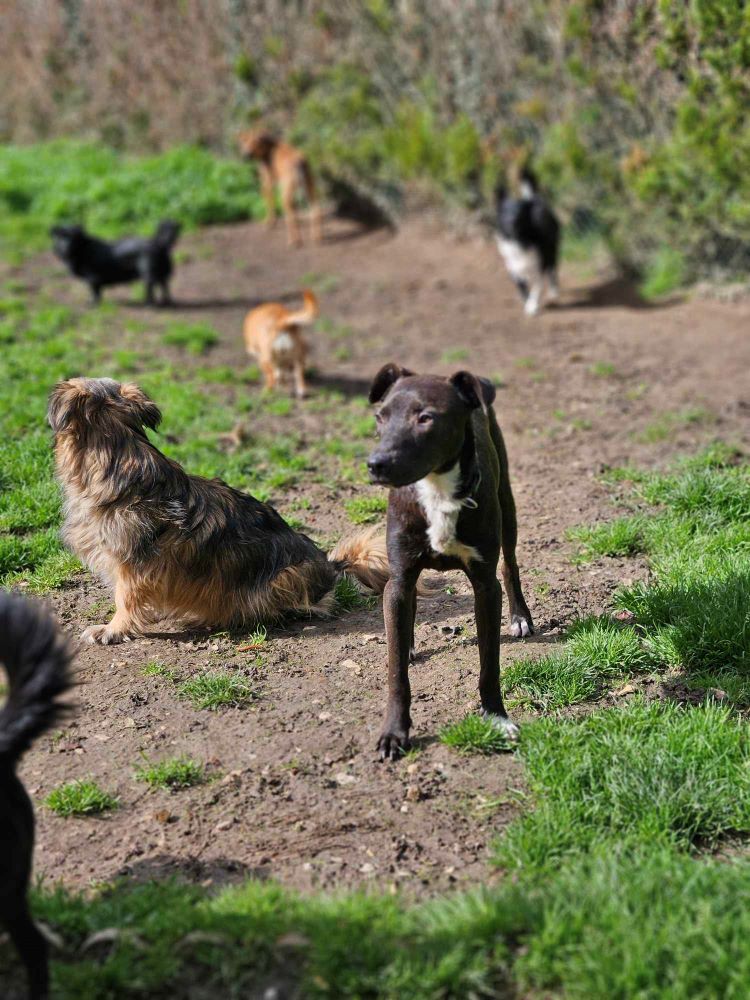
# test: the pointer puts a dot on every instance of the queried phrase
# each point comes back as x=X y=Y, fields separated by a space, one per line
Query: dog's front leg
x=488 y=599
x=398 y=604
x=124 y=624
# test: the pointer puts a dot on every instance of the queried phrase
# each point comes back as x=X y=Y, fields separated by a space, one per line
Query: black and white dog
x=134 y=258
x=528 y=239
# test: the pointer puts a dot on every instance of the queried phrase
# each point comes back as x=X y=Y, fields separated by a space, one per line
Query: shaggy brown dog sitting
x=175 y=545
x=287 y=168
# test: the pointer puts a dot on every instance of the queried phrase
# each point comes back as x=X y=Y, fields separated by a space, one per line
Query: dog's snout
x=376 y=465
x=379 y=464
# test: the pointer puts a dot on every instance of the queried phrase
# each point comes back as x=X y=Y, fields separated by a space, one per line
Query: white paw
x=503 y=723
x=531 y=308
x=520 y=628
x=103 y=635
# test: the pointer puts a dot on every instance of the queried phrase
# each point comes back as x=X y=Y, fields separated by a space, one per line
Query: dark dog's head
x=91 y=407
x=167 y=232
x=257 y=144
x=422 y=421
x=66 y=240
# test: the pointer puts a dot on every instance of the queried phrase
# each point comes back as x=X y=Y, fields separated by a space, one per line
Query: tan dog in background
x=272 y=333
x=284 y=166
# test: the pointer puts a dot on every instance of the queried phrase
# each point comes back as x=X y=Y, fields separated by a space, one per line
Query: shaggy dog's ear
x=473 y=391
x=66 y=402
x=385 y=378
x=146 y=409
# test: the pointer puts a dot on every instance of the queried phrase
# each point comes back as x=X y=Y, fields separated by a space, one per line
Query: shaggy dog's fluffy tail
x=364 y=556
x=36 y=659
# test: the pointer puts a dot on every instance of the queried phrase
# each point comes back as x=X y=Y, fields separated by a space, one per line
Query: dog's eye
x=424 y=418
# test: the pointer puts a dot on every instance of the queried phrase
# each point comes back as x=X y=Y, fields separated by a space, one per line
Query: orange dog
x=272 y=334
x=283 y=165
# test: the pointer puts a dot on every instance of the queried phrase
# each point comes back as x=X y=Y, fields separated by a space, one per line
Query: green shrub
x=80 y=798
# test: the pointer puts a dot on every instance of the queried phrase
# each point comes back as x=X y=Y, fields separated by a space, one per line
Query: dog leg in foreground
x=36 y=660
x=450 y=506
x=177 y=546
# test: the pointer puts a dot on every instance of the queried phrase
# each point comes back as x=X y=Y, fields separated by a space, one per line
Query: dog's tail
x=306 y=314
x=36 y=659
x=166 y=234
x=363 y=555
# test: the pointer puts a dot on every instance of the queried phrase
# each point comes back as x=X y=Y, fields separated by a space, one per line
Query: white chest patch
x=522 y=262
x=441 y=510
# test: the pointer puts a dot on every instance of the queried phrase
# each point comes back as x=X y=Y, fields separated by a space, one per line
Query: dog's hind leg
x=32 y=948
x=488 y=600
x=127 y=621
x=290 y=214
x=553 y=287
x=520 y=617
x=300 y=386
x=308 y=182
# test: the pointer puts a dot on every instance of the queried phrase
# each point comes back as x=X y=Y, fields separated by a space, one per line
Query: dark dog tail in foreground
x=364 y=557
x=166 y=234
x=36 y=660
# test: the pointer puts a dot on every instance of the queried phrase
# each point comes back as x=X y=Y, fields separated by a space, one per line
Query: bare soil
x=297 y=793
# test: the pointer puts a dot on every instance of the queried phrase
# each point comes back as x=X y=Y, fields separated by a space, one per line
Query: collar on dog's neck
x=470 y=473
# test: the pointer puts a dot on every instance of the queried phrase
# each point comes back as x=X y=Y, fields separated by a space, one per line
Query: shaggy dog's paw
x=503 y=723
x=103 y=635
x=520 y=626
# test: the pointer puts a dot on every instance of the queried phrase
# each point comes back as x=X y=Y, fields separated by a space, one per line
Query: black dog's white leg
x=523 y=288
x=488 y=598
x=398 y=612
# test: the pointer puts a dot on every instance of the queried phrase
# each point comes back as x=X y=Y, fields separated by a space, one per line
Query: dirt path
x=600 y=380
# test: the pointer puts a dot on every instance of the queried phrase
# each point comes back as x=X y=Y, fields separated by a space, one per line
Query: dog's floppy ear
x=475 y=392
x=65 y=402
x=148 y=412
x=385 y=378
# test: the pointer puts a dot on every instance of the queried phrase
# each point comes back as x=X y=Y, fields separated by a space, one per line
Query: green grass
x=651 y=773
x=616 y=923
x=173 y=773
x=455 y=354
x=113 y=194
x=156 y=669
x=666 y=272
x=80 y=798
x=625 y=536
x=349 y=597
x=597 y=651
x=603 y=369
x=366 y=509
x=193 y=337
x=217 y=689
x=476 y=734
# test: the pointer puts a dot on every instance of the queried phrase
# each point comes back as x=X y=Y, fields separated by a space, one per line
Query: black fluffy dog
x=134 y=258
x=528 y=239
x=36 y=660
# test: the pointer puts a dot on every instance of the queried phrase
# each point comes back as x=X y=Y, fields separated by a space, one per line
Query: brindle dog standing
x=450 y=507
